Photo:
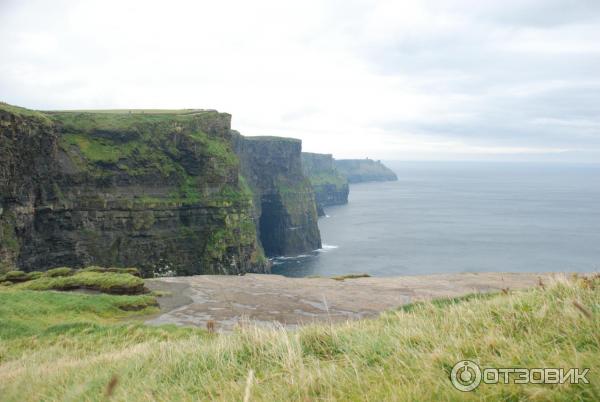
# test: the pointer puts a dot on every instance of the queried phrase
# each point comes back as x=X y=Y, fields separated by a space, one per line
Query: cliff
x=329 y=185
x=159 y=190
x=361 y=170
x=283 y=197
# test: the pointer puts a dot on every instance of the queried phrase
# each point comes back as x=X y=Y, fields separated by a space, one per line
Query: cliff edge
x=283 y=197
x=329 y=185
x=161 y=190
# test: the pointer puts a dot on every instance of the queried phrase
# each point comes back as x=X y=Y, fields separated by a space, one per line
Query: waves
x=328 y=247
x=297 y=258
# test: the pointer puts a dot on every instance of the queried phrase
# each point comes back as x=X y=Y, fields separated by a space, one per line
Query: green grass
x=144 y=145
x=22 y=112
x=448 y=301
x=89 y=121
x=328 y=179
x=132 y=271
x=62 y=271
x=71 y=349
x=100 y=149
x=106 y=282
x=160 y=144
x=14 y=276
x=25 y=313
x=134 y=111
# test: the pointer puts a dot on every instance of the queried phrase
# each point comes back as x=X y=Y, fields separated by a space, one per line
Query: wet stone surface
x=274 y=300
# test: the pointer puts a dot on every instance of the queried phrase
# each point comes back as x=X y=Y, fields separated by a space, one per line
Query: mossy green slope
x=105 y=280
x=69 y=348
x=149 y=145
x=159 y=190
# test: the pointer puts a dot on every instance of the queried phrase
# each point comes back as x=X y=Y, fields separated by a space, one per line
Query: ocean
x=448 y=217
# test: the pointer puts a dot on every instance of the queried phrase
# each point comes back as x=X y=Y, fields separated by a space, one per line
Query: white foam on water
x=281 y=259
x=326 y=247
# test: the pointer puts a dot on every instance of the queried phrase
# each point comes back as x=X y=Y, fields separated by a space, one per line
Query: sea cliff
x=162 y=190
x=284 y=201
x=329 y=185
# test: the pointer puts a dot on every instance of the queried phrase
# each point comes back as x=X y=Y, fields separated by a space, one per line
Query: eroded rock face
x=329 y=185
x=28 y=143
x=361 y=170
x=284 y=199
x=159 y=191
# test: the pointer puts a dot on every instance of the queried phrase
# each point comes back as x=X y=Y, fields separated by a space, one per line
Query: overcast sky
x=508 y=80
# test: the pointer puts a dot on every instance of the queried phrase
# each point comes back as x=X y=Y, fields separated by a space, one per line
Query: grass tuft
x=57 y=272
x=131 y=271
x=105 y=282
x=14 y=276
x=57 y=346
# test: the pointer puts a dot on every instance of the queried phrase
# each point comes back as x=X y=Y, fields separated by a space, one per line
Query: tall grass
x=403 y=355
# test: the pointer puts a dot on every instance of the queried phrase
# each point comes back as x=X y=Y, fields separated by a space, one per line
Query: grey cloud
x=515 y=73
x=542 y=13
x=544 y=97
x=566 y=117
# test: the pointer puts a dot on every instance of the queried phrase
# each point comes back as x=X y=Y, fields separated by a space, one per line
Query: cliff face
x=361 y=170
x=329 y=185
x=284 y=199
x=156 y=190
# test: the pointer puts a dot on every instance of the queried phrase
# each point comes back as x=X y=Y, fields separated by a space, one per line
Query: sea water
x=444 y=217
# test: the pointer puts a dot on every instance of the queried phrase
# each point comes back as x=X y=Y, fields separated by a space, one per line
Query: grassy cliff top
x=151 y=145
x=271 y=138
x=85 y=121
x=135 y=111
x=186 y=149
x=57 y=346
x=23 y=112
x=121 y=114
x=141 y=120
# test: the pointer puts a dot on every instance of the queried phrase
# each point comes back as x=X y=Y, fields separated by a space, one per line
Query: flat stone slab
x=278 y=300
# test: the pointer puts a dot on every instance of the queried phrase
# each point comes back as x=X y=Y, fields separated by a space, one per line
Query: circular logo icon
x=465 y=375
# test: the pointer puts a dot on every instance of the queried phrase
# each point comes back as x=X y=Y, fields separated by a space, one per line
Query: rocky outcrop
x=329 y=185
x=283 y=197
x=361 y=170
x=157 y=190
